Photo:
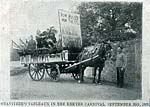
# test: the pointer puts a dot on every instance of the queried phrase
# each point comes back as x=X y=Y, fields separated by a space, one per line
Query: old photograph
x=75 y=50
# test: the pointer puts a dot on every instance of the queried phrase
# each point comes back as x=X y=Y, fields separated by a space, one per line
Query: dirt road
x=22 y=87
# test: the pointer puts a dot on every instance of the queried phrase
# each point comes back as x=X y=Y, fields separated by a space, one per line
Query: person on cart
x=31 y=44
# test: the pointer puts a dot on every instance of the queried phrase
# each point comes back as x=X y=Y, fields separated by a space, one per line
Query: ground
x=24 y=88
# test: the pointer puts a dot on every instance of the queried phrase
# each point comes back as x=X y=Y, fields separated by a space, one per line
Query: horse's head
x=104 y=49
x=108 y=46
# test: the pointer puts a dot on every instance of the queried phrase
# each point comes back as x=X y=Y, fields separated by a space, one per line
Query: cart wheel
x=76 y=76
x=48 y=70
x=54 y=72
x=36 y=72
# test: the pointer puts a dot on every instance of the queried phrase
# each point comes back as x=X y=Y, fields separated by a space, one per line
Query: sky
x=22 y=18
x=26 y=16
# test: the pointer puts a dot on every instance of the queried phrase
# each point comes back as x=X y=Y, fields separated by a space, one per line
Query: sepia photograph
x=75 y=50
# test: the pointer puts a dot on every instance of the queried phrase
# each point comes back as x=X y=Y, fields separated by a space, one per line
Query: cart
x=52 y=64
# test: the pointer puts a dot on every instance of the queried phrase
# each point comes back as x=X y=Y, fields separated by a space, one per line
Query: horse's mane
x=92 y=52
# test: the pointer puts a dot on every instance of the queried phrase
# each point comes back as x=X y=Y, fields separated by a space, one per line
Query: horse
x=103 y=50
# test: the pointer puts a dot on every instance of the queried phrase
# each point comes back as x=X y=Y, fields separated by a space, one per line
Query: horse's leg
x=94 y=74
x=81 y=68
x=99 y=74
x=83 y=73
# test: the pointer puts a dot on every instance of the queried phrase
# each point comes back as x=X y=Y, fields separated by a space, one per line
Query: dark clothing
x=121 y=63
x=120 y=76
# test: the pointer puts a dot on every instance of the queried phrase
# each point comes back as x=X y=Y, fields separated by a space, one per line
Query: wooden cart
x=52 y=64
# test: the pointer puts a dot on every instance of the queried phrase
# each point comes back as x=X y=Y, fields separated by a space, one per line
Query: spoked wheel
x=36 y=72
x=48 y=70
x=76 y=76
x=54 y=72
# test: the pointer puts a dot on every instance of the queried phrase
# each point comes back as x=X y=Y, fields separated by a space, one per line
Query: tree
x=112 y=20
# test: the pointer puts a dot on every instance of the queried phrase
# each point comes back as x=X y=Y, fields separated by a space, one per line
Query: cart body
x=53 y=64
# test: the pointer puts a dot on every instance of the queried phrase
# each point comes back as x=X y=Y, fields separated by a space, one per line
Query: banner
x=70 y=29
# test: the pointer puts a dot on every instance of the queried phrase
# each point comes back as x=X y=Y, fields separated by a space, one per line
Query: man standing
x=121 y=63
